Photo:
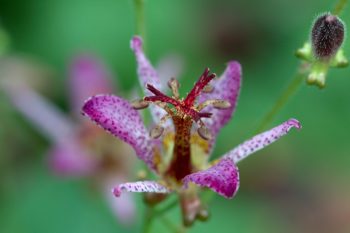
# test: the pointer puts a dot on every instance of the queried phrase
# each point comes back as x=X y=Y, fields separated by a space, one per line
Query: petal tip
x=294 y=123
x=116 y=192
x=87 y=108
x=89 y=103
x=234 y=65
x=136 y=43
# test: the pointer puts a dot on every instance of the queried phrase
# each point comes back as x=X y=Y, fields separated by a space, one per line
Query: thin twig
x=282 y=100
x=167 y=208
x=172 y=227
x=148 y=219
x=140 y=18
x=339 y=7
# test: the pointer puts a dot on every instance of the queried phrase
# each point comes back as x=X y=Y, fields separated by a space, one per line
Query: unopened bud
x=327 y=36
x=204 y=132
x=156 y=132
x=139 y=104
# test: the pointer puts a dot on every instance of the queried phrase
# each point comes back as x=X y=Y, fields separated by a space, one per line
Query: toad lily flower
x=178 y=146
x=79 y=148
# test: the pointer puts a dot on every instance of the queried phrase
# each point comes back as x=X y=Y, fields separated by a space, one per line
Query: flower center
x=183 y=112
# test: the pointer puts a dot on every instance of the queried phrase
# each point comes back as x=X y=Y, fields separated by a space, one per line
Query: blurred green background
x=299 y=184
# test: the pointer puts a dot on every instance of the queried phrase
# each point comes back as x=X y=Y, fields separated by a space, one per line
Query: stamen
x=164 y=106
x=208 y=89
x=164 y=119
x=220 y=104
x=204 y=132
x=174 y=86
x=139 y=104
x=156 y=131
x=185 y=108
x=182 y=108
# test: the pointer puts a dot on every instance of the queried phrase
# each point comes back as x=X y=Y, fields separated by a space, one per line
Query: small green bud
x=317 y=75
x=339 y=60
x=305 y=53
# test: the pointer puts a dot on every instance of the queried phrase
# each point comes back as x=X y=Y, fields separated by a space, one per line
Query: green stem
x=167 y=208
x=282 y=100
x=140 y=18
x=4 y=41
x=148 y=219
x=339 y=7
x=171 y=226
x=151 y=213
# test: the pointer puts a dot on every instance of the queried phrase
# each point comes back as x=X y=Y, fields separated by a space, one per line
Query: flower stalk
x=339 y=7
x=283 y=99
x=140 y=18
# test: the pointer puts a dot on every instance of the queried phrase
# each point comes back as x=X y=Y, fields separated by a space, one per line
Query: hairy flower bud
x=327 y=35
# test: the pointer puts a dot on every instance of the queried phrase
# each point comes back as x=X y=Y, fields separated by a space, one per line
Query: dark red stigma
x=187 y=105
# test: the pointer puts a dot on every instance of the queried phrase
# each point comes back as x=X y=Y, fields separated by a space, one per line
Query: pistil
x=180 y=165
x=184 y=112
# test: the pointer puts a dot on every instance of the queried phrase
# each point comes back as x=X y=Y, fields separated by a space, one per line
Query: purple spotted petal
x=45 y=116
x=225 y=88
x=87 y=77
x=261 y=140
x=140 y=187
x=69 y=159
x=147 y=75
x=222 y=178
x=117 y=116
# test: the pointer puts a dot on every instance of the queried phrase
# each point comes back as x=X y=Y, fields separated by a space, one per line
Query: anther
x=220 y=104
x=139 y=104
x=204 y=132
x=156 y=131
x=174 y=86
x=208 y=89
